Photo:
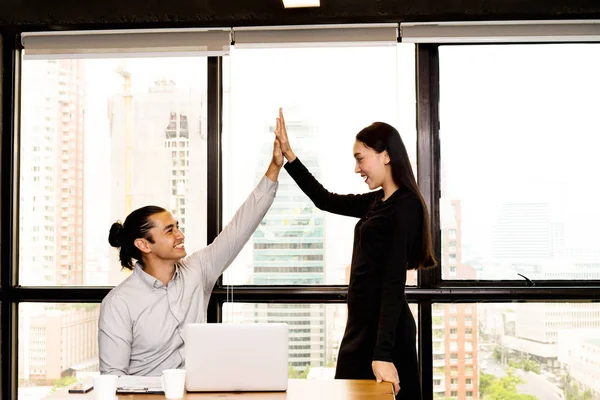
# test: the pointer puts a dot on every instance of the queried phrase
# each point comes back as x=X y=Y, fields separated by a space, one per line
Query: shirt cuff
x=293 y=165
x=267 y=186
x=381 y=355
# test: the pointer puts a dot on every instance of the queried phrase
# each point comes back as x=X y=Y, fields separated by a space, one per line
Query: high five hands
x=282 y=137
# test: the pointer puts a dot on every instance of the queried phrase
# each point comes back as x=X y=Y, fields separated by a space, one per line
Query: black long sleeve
x=352 y=205
x=407 y=216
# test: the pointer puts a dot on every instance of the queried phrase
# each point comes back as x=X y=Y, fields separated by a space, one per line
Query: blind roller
x=319 y=35
x=126 y=43
x=497 y=32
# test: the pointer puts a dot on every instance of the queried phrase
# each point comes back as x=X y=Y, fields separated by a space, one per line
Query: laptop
x=236 y=357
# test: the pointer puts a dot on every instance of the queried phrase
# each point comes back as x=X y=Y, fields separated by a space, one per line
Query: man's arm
x=114 y=336
x=212 y=260
x=273 y=172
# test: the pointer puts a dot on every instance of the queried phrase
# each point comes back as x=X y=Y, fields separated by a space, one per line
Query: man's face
x=168 y=239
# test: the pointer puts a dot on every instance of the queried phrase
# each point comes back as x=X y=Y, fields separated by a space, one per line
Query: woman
x=140 y=330
x=391 y=237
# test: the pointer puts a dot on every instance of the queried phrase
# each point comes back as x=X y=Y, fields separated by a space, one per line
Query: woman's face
x=370 y=165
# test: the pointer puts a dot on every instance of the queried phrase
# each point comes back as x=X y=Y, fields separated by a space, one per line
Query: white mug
x=173 y=383
x=105 y=387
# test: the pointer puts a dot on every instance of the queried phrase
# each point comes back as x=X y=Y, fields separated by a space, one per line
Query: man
x=142 y=319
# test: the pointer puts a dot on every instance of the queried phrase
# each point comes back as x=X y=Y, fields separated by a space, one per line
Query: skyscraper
x=51 y=217
x=57 y=341
x=455 y=333
x=289 y=243
x=288 y=249
x=52 y=191
x=69 y=212
x=167 y=165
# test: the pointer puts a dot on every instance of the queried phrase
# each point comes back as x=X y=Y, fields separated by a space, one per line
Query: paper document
x=139 y=384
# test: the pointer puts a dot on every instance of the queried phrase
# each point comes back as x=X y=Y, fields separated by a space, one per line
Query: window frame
x=431 y=288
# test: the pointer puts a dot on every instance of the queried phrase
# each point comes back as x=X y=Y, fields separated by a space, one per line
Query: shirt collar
x=151 y=281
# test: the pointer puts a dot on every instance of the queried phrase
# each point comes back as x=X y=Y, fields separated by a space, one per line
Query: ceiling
x=91 y=14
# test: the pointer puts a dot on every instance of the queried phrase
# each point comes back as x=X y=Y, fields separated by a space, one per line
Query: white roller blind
x=126 y=43
x=319 y=35
x=496 y=32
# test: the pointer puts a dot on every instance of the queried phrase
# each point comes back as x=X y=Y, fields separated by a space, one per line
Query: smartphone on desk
x=81 y=388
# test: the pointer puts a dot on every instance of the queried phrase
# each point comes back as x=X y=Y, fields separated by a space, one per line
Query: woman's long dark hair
x=137 y=225
x=381 y=137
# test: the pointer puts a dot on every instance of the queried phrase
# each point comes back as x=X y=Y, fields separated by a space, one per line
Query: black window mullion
x=425 y=343
x=9 y=324
x=329 y=294
x=284 y=294
x=10 y=75
x=539 y=284
x=428 y=166
x=214 y=166
x=428 y=149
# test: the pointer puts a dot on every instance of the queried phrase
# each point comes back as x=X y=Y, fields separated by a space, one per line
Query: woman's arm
x=349 y=205
x=352 y=205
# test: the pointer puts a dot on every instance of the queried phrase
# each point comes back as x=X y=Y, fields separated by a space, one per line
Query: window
x=533 y=336
x=452 y=259
x=324 y=112
x=57 y=343
x=113 y=102
x=93 y=131
x=521 y=217
x=507 y=206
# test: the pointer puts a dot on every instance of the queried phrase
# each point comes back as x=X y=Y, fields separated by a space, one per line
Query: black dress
x=380 y=324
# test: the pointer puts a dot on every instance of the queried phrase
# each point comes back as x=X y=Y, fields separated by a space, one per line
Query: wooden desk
x=298 y=389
